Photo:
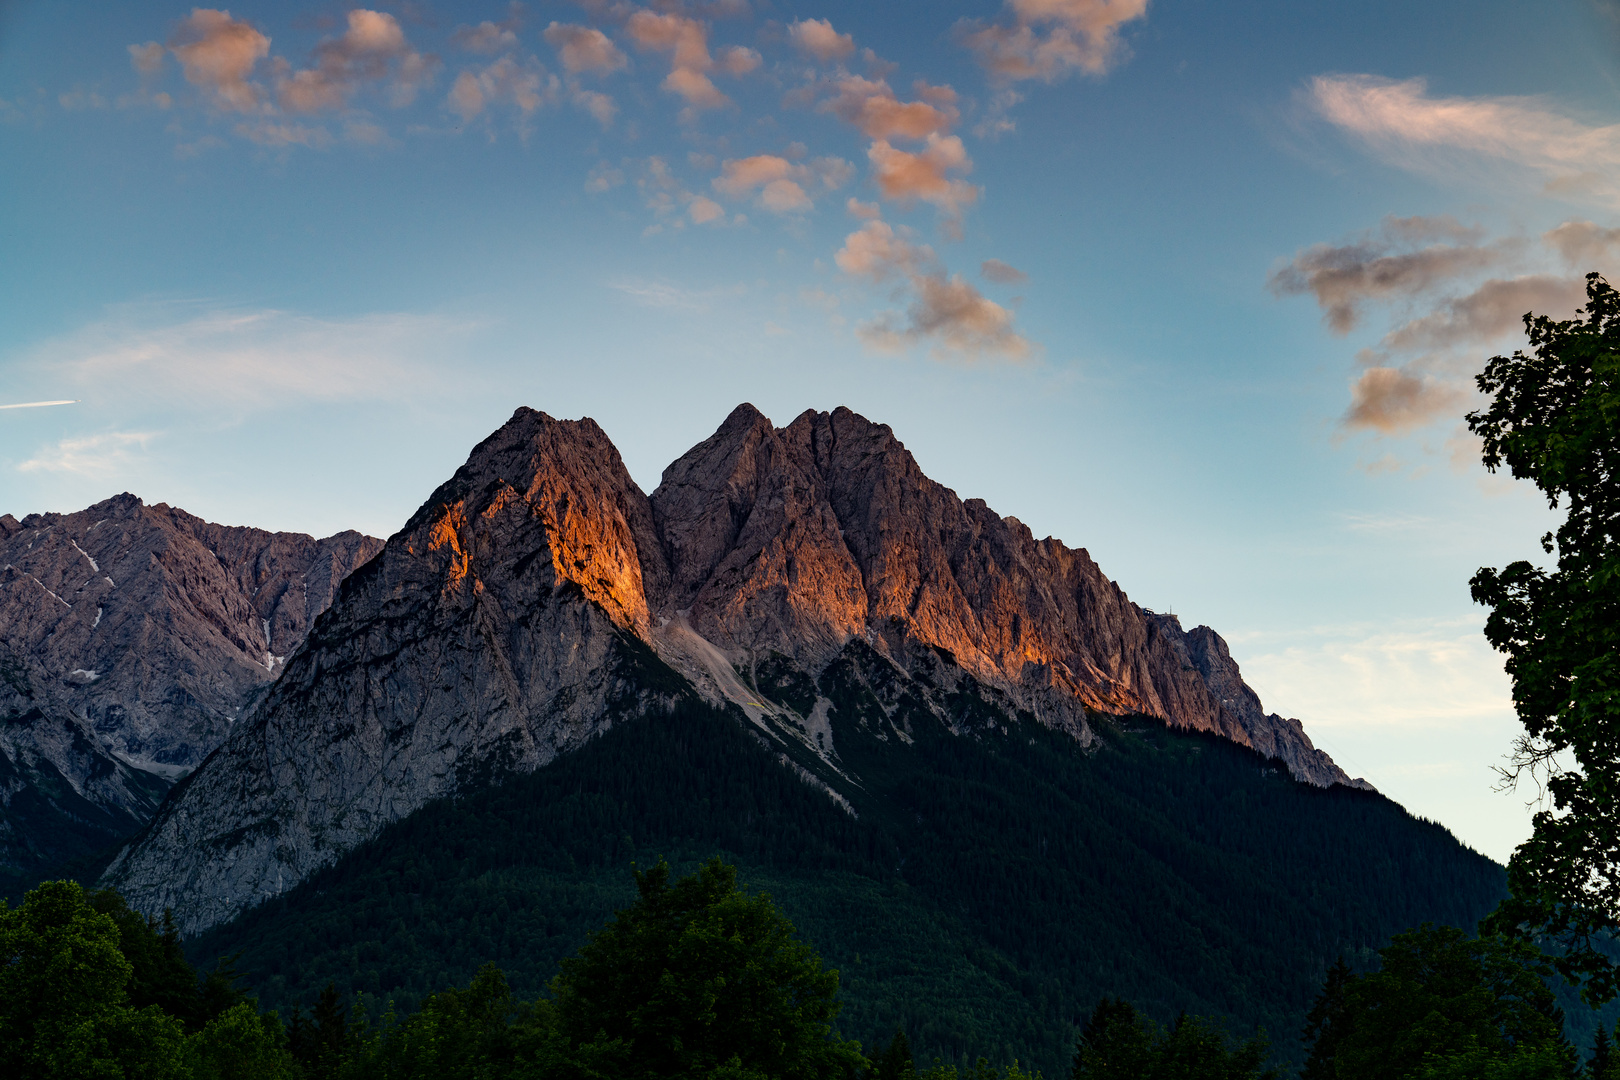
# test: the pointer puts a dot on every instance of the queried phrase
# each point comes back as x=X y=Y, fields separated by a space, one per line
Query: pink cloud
x=585 y=48
x=217 y=54
x=905 y=177
x=1451 y=135
x=1583 y=245
x=779 y=182
x=372 y=49
x=1392 y=401
x=1048 y=39
x=687 y=42
x=818 y=38
x=872 y=106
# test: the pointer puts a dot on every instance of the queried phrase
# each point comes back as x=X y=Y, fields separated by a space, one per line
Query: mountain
x=538 y=597
x=132 y=637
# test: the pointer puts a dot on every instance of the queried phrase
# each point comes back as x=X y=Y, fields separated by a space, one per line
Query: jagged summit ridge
x=518 y=610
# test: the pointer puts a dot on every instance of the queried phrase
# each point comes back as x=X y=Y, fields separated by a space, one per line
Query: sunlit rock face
x=132 y=637
x=529 y=602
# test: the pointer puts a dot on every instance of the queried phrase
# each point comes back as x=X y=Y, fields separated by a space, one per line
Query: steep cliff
x=131 y=638
x=538 y=596
x=500 y=627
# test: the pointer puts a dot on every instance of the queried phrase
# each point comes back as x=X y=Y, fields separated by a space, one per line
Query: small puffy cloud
x=687 y=42
x=506 y=81
x=999 y=272
x=372 y=49
x=585 y=48
x=1584 y=246
x=1344 y=277
x=705 y=211
x=217 y=53
x=739 y=60
x=487 y=38
x=871 y=106
x=818 y=38
x=1450 y=136
x=943 y=310
x=1048 y=39
x=778 y=181
x=146 y=59
x=863 y=211
x=1392 y=401
x=905 y=177
x=602 y=107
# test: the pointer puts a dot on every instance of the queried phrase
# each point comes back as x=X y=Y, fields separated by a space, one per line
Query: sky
x=1200 y=287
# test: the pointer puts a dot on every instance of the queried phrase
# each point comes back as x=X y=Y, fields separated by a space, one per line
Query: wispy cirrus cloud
x=92 y=456
x=1452 y=136
x=184 y=357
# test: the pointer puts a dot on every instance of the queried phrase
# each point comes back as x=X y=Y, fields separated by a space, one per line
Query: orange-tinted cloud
x=1393 y=401
x=372 y=49
x=599 y=105
x=943 y=309
x=585 y=48
x=905 y=177
x=779 y=181
x=739 y=60
x=687 y=42
x=999 y=272
x=217 y=54
x=818 y=38
x=1345 y=277
x=1048 y=39
x=872 y=106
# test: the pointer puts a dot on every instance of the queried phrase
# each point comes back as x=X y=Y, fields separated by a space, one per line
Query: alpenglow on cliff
x=539 y=594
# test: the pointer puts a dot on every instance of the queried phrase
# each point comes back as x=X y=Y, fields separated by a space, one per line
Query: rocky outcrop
x=131 y=638
x=519 y=612
x=496 y=630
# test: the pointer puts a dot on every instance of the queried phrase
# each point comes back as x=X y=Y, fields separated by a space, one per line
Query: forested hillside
x=988 y=889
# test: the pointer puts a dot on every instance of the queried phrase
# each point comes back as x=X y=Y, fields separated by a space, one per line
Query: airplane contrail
x=39 y=404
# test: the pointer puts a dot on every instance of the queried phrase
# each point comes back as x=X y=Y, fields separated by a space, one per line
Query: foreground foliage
x=1441 y=1006
x=1119 y=1043
x=1554 y=419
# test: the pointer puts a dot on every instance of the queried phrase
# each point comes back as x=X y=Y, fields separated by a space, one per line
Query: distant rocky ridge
x=131 y=638
x=539 y=596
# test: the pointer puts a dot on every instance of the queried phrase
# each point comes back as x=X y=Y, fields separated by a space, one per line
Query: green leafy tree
x=699 y=979
x=1119 y=1043
x=241 y=1044
x=1440 y=1001
x=1554 y=419
x=64 y=1007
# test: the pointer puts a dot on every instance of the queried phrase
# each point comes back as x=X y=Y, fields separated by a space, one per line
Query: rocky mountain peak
x=526 y=605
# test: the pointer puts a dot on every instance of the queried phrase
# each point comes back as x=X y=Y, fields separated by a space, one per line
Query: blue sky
x=1196 y=286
